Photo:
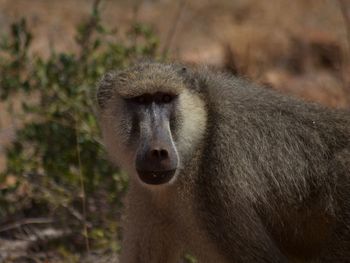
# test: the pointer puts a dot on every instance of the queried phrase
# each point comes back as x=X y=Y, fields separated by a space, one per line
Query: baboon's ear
x=105 y=89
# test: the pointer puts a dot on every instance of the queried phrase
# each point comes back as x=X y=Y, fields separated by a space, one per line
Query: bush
x=57 y=151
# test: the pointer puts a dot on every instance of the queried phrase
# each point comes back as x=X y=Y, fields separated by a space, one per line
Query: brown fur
x=262 y=177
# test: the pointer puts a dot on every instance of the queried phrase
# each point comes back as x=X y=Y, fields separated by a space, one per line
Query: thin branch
x=82 y=187
x=344 y=9
x=135 y=11
x=26 y=221
x=77 y=215
x=135 y=18
x=90 y=27
x=171 y=33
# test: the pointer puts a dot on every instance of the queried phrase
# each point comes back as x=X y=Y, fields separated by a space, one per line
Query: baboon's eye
x=143 y=99
x=149 y=98
x=161 y=97
x=166 y=98
x=140 y=99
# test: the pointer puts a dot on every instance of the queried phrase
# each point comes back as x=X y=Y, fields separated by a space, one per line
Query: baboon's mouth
x=156 y=177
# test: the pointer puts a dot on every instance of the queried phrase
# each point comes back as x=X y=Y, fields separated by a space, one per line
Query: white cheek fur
x=194 y=119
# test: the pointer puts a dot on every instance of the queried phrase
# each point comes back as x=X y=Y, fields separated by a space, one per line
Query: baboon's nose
x=158 y=158
x=159 y=154
x=156 y=165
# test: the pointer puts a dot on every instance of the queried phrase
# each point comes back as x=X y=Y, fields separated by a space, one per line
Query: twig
x=77 y=215
x=170 y=36
x=135 y=18
x=135 y=11
x=345 y=11
x=90 y=27
x=82 y=187
x=27 y=221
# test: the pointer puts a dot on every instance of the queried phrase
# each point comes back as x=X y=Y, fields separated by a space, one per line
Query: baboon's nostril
x=159 y=154
x=164 y=153
x=155 y=153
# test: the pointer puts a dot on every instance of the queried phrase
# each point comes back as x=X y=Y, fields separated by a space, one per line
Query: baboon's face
x=151 y=118
x=151 y=123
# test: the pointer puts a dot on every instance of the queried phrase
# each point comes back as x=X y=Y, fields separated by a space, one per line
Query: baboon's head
x=152 y=119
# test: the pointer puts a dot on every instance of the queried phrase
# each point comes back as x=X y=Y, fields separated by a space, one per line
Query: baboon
x=224 y=169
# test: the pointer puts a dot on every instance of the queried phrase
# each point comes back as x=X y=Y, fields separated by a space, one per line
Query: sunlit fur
x=194 y=122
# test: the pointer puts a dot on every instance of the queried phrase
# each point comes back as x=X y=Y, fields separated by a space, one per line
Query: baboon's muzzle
x=156 y=177
x=156 y=158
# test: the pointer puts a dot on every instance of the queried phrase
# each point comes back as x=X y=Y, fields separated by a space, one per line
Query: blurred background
x=60 y=200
